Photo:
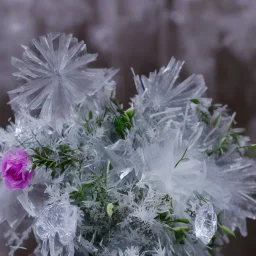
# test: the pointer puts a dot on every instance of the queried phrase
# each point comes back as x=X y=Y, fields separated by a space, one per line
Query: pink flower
x=14 y=169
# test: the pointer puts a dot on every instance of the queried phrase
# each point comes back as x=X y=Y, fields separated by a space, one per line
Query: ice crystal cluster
x=172 y=175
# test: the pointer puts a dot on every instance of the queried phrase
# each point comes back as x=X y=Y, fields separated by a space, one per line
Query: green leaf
x=180 y=236
x=195 y=101
x=130 y=112
x=90 y=115
x=53 y=174
x=162 y=215
x=227 y=230
x=115 y=102
x=204 y=116
x=47 y=150
x=182 y=220
x=35 y=156
x=180 y=233
x=110 y=208
x=52 y=164
x=222 y=141
x=252 y=146
x=121 y=111
x=212 y=108
x=216 y=121
x=42 y=157
x=36 y=150
x=182 y=158
x=65 y=148
x=211 y=243
x=210 y=250
x=180 y=229
x=200 y=197
x=122 y=123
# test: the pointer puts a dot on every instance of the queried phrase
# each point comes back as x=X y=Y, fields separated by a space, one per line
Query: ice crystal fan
x=170 y=176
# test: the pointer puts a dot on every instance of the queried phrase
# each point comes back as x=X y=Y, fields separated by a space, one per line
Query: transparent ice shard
x=205 y=223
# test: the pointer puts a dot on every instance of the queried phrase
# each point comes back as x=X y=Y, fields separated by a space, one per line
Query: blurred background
x=216 y=38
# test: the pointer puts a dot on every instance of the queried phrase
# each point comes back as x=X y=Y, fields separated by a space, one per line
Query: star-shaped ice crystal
x=55 y=77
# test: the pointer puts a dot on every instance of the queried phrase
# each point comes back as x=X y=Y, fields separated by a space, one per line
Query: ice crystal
x=55 y=77
x=205 y=223
x=133 y=251
x=56 y=225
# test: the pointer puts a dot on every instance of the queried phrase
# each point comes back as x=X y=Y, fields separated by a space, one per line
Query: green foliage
x=129 y=112
x=226 y=230
x=212 y=108
x=250 y=150
x=252 y=146
x=180 y=233
x=180 y=229
x=171 y=222
x=80 y=195
x=182 y=158
x=97 y=189
x=200 y=197
x=41 y=157
x=90 y=115
x=181 y=220
x=195 y=101
x=231 y=138
x=122 y=119
x=212 y=245
x=222 y=147
x=58 y=161
x=204 y=116
x=216 y=121
x=190 y=212
x=122 y=123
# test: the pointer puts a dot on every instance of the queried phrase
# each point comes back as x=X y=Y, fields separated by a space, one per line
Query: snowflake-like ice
x=55 y=77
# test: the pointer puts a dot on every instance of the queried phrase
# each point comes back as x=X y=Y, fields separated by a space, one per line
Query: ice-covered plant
x=171 y=175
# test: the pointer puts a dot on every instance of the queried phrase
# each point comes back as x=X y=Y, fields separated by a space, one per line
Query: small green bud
x=195 y=101
x=110 y=208
x=130 y=112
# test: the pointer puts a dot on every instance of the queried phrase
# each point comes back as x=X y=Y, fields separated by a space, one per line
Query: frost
x=205 y=223
x=145 y=215
x=133 y=251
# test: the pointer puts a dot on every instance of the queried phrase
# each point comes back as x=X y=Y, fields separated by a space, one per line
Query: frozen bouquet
x=169 y=176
